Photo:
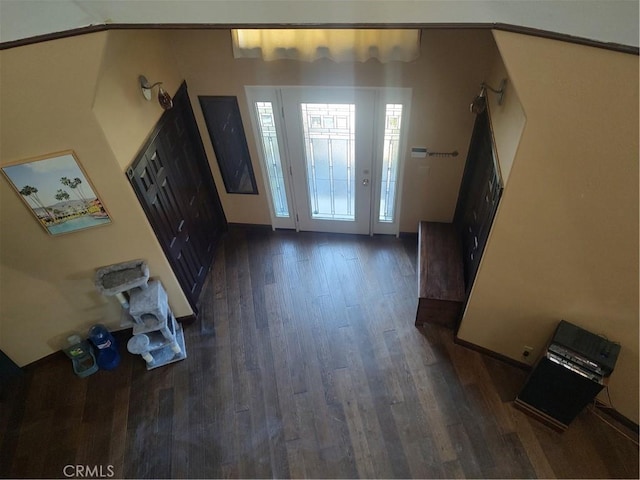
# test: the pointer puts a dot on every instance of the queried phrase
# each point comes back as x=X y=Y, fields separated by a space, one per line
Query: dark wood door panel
x=172 y=180
x=480 y=192
x=162 y=212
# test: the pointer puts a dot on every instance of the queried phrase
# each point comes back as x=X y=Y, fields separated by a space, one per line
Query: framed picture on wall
x=58 y=193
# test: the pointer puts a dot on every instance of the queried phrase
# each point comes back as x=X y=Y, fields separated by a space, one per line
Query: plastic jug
x=108 y=356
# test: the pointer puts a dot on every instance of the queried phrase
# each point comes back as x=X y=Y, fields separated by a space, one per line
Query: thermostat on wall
x=418 y=152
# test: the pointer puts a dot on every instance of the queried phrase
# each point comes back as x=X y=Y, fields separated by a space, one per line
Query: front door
x=332 y=155
x=329 y=133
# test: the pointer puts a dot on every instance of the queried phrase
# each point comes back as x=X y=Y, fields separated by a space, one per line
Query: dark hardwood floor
x=305 y=362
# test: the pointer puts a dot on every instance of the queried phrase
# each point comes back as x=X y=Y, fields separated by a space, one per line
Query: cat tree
x=157 y=336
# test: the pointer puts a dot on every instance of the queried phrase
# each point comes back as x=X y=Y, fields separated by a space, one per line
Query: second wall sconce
x=479 y=104
x=164 y=99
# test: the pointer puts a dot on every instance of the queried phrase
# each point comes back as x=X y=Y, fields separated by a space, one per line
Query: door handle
x=365 y=182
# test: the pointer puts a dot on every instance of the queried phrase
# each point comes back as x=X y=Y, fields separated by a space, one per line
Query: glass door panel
x=329 y=139
x=390 y=161
x=271 y=151
x=391 y=128
x=269 y=131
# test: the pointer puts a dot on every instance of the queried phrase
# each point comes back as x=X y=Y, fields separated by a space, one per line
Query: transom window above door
x=338 y=44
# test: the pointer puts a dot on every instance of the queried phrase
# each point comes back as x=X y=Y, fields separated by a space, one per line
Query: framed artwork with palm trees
x=57 y=192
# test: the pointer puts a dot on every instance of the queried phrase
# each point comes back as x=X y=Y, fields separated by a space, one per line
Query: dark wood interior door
x=9 y=373
x=478 y=199
x=172 y=180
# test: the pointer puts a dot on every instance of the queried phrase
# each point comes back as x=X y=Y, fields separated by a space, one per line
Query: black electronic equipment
x=568 y=376
x=598 y=352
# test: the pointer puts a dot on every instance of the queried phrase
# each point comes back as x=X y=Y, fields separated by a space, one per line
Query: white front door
x=332 y=155
x=329 y=134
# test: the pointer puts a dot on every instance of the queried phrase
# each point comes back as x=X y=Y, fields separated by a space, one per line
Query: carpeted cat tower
x=157 y=336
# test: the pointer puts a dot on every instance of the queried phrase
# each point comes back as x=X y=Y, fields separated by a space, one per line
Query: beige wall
x=125 y=116
x=444 y=80
x=507 y=118
x=564 y=244
x=47 y=92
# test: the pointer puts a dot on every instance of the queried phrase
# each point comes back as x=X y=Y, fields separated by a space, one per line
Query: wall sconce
x=163 y=97
x=479 y=103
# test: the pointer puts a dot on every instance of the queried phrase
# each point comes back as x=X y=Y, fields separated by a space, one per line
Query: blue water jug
x=108 y=356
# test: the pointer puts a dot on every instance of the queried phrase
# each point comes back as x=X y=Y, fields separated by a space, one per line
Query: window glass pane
x=272 y=158
x=329 y=138
x=390 y=159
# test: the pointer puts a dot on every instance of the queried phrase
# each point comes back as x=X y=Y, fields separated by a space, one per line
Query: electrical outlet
x=526 y=351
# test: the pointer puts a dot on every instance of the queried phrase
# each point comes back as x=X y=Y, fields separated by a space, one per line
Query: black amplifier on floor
x=568 y=376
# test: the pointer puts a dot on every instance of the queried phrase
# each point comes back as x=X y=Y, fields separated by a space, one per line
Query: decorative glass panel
x=329 y=154
x=272 y=158
x=390 y=158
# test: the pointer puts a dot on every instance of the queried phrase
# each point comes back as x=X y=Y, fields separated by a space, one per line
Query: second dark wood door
x=480 y=193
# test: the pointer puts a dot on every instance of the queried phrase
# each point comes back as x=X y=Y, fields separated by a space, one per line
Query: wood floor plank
x=358 y=436
x=421 y=458
x=516 y=458
x=237 y=328
x=117 y=451
x=379 y=394
x=97 y=420
x=272 y=419
x=313 y=370
x=531 y=445
x=295 y=309
x=260 y=429
x=180 y=427
x=247 y=312
x=453 y=469
x=309 y=444
x=12 y=412
x=466 y=454
x=341 y=453
x=412 y=416
x=304 y=363
x=329 y=348
x=330 y=268
x=259 y=266
x=244 y=445
x=283 y=381
x=475 y=375
x=295 y=458
x=164 y=432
